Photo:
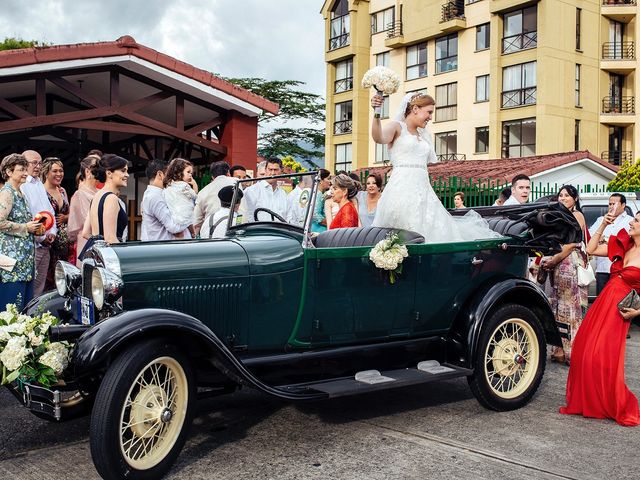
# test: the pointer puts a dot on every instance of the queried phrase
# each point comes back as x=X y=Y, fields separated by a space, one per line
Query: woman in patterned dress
x=16 y=234
x=52 y=175
x=568 y=300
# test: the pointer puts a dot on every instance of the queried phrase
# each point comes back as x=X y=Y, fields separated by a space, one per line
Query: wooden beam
x=41 y=97
x=14 y=110
x=146 y=101
x=204 y=126
x=114 y=83
x=145 y=147
x=41 y=120
x=113 y=127
x=77 y=91
x=180 y=112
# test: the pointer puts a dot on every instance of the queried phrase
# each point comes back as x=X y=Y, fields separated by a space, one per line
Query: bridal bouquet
x=383 y=79
x=388 y=254
x=25 y=349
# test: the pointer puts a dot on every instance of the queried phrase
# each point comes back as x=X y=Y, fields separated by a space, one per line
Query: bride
x=408 y=201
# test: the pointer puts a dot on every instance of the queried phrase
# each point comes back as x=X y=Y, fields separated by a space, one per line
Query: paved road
x=430 y=431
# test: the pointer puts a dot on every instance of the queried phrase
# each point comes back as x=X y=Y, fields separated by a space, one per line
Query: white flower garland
x=388 y=254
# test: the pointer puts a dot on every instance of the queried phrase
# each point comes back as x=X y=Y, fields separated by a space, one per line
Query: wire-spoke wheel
x=508 y=367
x=142 y=412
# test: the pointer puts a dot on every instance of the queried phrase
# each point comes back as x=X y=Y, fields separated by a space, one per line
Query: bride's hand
x=377 y=100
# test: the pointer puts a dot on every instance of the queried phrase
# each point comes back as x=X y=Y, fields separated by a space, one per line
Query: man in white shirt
x=617 y=205
x=208 y=202
x=157 y=222
x=215 y=226
x=266 y=194
x=298 y=200
x=38 y=201
x=520 y=190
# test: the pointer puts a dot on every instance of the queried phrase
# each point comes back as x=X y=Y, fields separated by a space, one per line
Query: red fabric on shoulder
x=347 y=217
x=618 y=245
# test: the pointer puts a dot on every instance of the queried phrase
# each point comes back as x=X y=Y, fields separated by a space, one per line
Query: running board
x=373 y=380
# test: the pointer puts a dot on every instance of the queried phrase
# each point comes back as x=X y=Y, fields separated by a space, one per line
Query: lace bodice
x=411 y=150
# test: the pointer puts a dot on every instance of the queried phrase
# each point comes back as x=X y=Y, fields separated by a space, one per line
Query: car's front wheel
x=142 y=412
x=509 y=360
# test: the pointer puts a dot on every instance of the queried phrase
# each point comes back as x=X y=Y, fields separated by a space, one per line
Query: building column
x=240 y=136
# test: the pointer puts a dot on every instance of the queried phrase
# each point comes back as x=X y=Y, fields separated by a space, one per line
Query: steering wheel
x=273 y=214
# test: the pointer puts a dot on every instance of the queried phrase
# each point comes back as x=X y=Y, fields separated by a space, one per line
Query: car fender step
x=373 y=380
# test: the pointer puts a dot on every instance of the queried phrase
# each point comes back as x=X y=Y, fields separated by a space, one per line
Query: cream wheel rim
x=153 y=414
x=511 y=358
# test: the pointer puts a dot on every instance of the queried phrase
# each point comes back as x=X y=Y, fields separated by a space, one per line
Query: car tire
x=509 y=360
x=142 y=412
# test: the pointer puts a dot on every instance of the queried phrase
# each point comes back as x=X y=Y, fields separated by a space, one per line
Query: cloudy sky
x=276 y=40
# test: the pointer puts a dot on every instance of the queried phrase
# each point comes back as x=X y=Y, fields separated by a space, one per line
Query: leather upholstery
x=362 y=237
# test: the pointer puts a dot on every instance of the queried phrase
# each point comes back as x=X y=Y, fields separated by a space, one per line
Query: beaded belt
x=413 y=165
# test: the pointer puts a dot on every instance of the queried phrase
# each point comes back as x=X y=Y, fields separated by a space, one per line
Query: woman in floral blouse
x=16 y=234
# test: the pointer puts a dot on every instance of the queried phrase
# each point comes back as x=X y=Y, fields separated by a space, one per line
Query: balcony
x=343 y=85
x=617 y=158
x=619 y=10
x=521 y=41
x=339 y=41
x=619 y=105
x=452 y=19
x=342 y=127
x=443 y=157
x=618 y=57
x=519 y=98
x=394 y=35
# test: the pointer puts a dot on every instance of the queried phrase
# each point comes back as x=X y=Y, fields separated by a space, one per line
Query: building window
x=417 y=61
x=382 y=59
x=344 y=118
x=482 y=88
x=384 y=112
x=382 y=153
x=577 y=84
x=578 y=27
x=447 y=53
x=343 y=157
x=447 y=145
x=344 y=76
x=447 y=102
x=520 y=30
x=576 y=136
x=339 y=35
x=519 y=85
x=519 y=138
x=383 y=20
x=482 y=139
x=482 y=36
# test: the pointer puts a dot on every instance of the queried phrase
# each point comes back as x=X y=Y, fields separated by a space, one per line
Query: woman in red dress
x=596 y=387
x=344 y=189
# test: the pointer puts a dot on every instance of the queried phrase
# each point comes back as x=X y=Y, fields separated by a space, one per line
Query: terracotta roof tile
x=127 y=45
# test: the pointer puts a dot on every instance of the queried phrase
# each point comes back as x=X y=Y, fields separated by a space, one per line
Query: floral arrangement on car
x=26 y=352
x=383 y=79
x=388 y=255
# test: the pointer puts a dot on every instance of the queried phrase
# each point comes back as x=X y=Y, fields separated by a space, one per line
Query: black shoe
x=628 y=335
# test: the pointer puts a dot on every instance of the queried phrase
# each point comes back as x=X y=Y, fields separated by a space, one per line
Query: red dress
x=595 y=387
x=346 y=217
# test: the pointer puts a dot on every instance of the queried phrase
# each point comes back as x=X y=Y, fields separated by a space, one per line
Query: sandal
x=559 y=359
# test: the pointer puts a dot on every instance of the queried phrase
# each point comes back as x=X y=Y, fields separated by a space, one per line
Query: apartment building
x=511 y=78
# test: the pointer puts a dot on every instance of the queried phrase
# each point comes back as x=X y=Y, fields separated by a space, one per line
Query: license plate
x=85 y=311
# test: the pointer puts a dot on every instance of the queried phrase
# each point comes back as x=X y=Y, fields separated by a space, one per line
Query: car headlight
x=106 y=287
x=67 y=278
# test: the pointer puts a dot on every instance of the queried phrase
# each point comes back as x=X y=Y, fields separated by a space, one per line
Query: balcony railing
x=619 y=51
x=343 y=85
x=452 y=9
x=342 y=127
x=394 y=29
x=339 y=41
x=519 y=97
x=521 y=41
x=618 y=2
x=617 y=157
x=451 y=156
x=621 y=105
x=446 y=64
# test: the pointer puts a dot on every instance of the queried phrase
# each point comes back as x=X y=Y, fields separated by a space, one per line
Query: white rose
x=14 y=353
x=57 y=357
x=34 y=339
x=4 y=334
x=17 y=328
x=6 y=316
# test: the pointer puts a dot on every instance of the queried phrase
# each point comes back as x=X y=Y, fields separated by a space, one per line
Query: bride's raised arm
x=380 y=134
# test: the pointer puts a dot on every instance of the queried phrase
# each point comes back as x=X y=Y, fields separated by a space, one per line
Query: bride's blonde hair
x=420 y=100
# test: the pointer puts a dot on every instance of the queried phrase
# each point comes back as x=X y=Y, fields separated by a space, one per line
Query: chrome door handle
x=476 y=261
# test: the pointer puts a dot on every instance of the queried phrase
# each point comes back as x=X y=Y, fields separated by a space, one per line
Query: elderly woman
x=16 y=234
x=52 y=174
x=80 y=204
x=344 y=189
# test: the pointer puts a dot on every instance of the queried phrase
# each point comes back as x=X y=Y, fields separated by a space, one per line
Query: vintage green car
x=297 y=316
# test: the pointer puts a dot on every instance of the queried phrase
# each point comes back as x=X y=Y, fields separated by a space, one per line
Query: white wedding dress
x=408 y=201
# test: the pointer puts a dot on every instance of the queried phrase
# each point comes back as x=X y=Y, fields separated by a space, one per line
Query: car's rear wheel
x=142 y=412
x=509 y=360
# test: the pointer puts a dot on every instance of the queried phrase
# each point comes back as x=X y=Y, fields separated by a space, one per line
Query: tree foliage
x=295 y=105
x=11 y=43
x=627 y=179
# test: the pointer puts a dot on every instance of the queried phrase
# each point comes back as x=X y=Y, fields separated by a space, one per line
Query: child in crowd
x=215 y=225
x=179 y=192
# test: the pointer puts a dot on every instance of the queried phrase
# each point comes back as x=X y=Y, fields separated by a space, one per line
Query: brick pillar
x=240 y=136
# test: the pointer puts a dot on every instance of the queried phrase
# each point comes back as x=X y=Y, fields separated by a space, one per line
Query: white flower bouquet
x=388 y=254
x=25 y=349
x=383 y=79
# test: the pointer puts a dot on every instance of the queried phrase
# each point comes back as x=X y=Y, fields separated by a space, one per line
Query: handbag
x=630 y=300
x=586 y=275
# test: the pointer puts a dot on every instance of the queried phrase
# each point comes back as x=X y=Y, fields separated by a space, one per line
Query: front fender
x=95 y=348
x=53 y=303
x=463 y=339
